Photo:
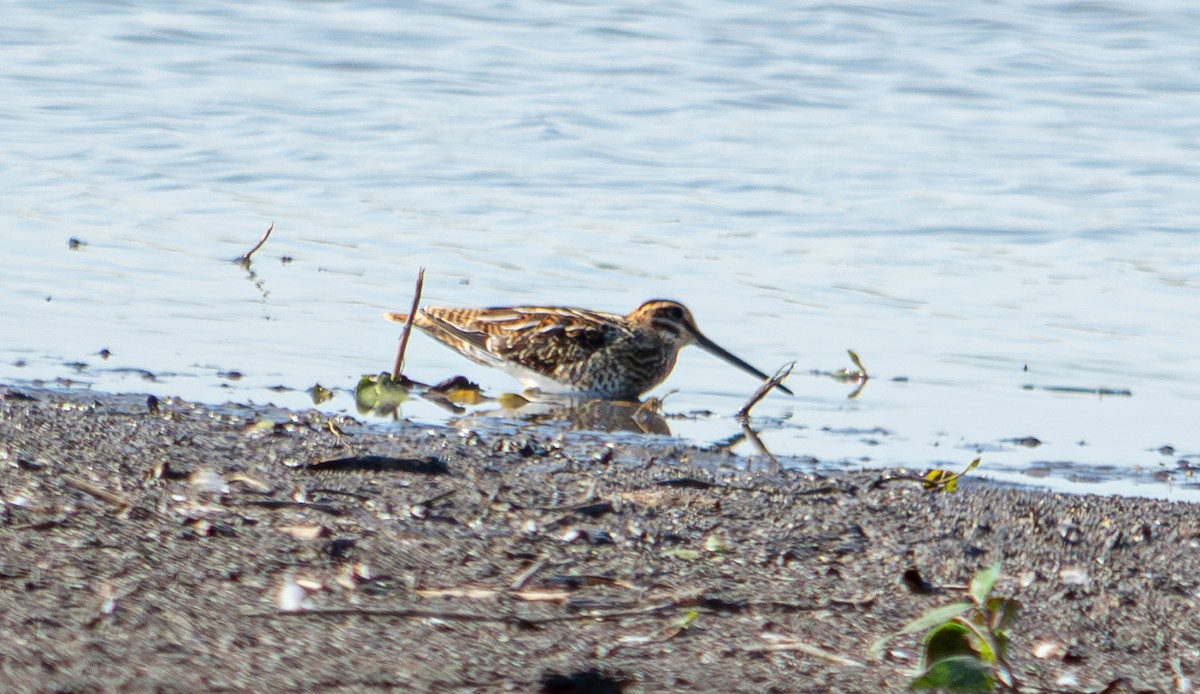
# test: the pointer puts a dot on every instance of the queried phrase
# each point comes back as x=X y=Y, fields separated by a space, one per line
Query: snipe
x=553 y=348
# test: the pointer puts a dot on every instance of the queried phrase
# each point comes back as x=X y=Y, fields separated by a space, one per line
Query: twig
x=244 y=259
x=412 y=314
x=99 y=492
x=779 y=377
x=518 y=582
x=465 y=616
x=752 y=436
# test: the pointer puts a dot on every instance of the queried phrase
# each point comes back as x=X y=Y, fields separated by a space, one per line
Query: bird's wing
x=545 y=340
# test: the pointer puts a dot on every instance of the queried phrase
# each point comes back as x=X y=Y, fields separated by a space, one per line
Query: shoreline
x=148 y=544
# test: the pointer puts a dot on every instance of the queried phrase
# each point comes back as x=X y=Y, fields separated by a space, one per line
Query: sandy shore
x=158 y=545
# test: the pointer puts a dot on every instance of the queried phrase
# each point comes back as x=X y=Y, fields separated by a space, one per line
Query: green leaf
x=930 y=619
x=984 y=642
x=366 y=396
x=1001 y=647
x=379 y=393
x=320 y=394
x=947 y=640
x=857 y=363
x=1004 y=612
x=961 y=673
x=935 y=616
x=982 y=582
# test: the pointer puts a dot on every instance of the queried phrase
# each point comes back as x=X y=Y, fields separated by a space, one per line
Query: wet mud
x=159 y=545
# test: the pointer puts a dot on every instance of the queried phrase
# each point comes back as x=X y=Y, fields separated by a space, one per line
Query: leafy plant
x=966 y=645
x=858 y=376
x=946 y=481
x=380 y=394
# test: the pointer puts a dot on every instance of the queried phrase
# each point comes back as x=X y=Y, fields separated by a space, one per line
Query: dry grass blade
x=412 y=314
x=779 y=377
x=785 y=645
x=482 y=593
x=244 y=259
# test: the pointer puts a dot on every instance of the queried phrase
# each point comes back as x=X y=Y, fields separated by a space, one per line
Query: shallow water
x=976 y=199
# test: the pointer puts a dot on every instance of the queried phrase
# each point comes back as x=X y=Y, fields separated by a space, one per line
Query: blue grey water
x=976 y=197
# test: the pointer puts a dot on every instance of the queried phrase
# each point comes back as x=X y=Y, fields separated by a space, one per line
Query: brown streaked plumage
x=556 y=348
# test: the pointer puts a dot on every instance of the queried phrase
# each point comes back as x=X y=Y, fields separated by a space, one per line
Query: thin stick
x=244 y=259
x=518 y=582
x=412 y=314
x=765 y=388
x=99 y=492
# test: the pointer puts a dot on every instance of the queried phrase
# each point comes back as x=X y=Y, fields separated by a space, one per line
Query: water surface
x=989 y=202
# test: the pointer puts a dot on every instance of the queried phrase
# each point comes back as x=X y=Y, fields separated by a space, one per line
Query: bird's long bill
x=719 y=351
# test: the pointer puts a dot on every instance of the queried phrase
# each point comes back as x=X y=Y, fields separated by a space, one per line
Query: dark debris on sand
x=166 y=546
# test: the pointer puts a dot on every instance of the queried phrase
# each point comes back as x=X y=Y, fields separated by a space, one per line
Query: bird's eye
x=673 y=312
